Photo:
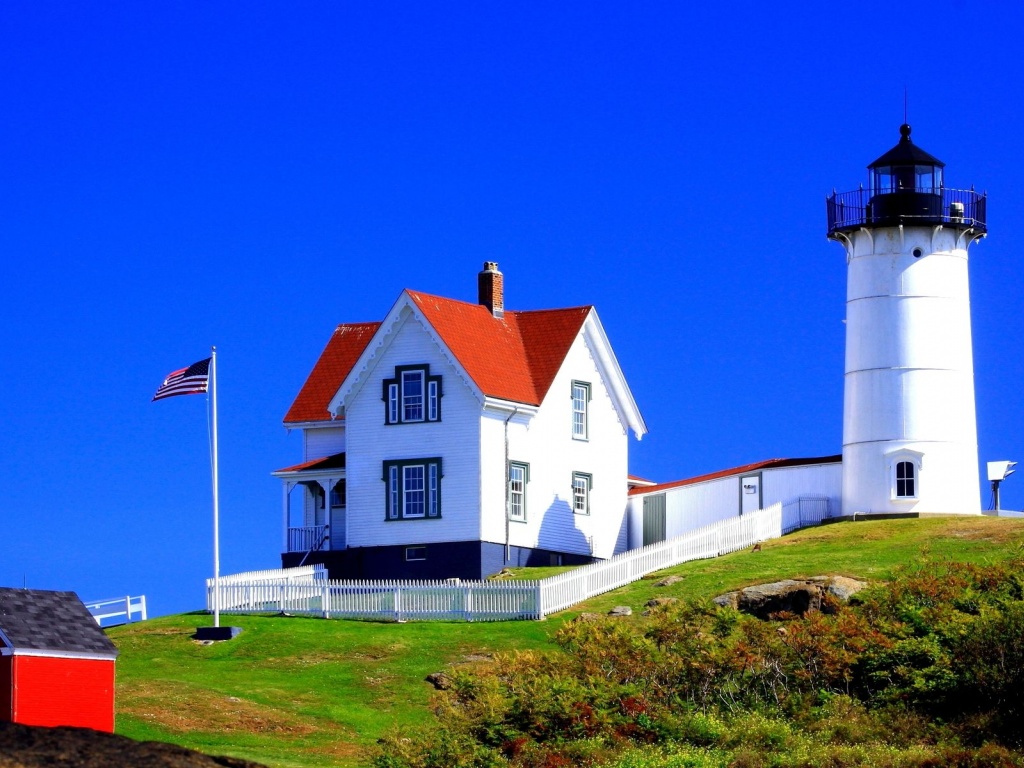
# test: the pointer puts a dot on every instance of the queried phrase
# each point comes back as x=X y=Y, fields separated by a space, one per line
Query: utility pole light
x=997 y=472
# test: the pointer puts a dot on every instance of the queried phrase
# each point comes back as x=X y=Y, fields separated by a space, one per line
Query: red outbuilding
x=56 y=664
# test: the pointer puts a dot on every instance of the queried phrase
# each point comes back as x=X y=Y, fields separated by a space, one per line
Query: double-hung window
x=413 y=489
x=581 y=484
x=518 y=477
x=580 y=409
x=413 y=396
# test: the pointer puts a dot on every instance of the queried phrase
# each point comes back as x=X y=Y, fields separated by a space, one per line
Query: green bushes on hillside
x=926 y=670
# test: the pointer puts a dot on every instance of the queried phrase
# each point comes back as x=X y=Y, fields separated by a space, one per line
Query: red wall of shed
x=51 y=691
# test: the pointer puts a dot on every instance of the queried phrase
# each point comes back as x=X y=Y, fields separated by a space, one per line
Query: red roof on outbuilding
x=515 y=357
x=768 y=464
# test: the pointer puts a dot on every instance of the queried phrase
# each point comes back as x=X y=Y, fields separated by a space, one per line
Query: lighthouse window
x=929 y=178
x=905 y=480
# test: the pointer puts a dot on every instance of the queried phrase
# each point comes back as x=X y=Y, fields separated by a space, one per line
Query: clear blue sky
x=249 y=175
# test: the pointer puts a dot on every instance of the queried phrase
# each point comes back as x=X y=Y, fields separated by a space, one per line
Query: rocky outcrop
x=668 y=581
x=440 y=680
x=792 y=596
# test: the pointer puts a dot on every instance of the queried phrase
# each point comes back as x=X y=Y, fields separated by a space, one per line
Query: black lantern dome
x=906 y=187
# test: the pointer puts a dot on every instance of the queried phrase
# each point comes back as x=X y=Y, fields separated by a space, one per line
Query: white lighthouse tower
x=910 y=441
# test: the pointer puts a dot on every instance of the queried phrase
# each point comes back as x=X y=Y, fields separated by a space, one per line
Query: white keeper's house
x=453 y=439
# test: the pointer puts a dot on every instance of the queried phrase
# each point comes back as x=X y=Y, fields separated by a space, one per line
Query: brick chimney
x=491 y=289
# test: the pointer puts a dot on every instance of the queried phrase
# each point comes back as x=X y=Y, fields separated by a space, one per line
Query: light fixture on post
x=997 y=472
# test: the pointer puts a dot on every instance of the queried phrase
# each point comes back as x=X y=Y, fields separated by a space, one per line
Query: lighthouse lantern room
x=909 y=429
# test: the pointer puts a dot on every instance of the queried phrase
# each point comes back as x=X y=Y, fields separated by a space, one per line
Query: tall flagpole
x=216 y=495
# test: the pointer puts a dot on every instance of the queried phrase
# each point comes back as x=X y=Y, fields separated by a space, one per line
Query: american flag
x=186 y=381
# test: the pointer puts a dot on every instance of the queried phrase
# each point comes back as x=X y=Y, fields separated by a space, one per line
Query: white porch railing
x=306 y=538
x=306 y=590
x=118 y=610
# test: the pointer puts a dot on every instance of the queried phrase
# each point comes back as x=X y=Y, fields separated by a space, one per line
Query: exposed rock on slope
x=791 y=595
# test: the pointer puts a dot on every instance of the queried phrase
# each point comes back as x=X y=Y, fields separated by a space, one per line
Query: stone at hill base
x=25 y=746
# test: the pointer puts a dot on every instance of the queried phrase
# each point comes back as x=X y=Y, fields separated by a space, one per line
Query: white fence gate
x=306 y=590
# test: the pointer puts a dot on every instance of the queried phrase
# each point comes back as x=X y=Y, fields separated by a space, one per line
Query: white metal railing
x=306 y=538
x=118 y=610
x=805 y=511
x=306 y=590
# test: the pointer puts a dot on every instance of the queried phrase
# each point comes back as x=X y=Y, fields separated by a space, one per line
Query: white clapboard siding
x=305 y=590
x=455 y=439
x=323 y=441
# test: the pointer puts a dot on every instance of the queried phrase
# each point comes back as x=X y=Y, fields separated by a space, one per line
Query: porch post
x=286 y=488
x=329 y=483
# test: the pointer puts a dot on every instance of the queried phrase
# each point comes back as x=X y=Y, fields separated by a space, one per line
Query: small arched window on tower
x=906 y=480
x=904 y=468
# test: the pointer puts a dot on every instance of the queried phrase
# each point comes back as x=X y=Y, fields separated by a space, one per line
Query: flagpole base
x=217 y=633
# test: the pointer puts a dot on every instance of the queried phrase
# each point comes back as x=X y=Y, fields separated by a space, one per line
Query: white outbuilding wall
x=694 y=503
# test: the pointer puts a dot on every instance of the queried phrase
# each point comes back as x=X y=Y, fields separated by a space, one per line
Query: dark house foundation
x=448 y=560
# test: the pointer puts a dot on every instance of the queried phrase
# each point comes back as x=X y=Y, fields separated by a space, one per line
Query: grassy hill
x=305 y=691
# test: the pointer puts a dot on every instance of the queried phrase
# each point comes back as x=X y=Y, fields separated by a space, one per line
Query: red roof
x=515 y=357
x=769 y=464
x=346 y=345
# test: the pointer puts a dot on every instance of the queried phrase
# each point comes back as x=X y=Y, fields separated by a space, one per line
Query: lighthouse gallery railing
x=961 y=207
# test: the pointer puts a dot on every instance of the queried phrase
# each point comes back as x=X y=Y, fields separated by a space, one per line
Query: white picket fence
x=396 y=600
x=306 y=590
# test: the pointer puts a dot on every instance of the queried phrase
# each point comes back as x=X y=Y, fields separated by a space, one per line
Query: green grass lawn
x=310 y=692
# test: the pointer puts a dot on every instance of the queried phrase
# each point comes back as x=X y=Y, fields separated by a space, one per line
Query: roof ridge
x=507 y=311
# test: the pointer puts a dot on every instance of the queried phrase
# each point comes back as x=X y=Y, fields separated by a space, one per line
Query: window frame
x=523 y=467
x=898 y=459
x=416 y=549
x=583 y=433
x=909 y=478
x=586 y=481
x=397 y=402
x=400 y=493
x=413 y=401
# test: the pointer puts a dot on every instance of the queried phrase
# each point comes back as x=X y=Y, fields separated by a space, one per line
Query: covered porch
x=313 y=517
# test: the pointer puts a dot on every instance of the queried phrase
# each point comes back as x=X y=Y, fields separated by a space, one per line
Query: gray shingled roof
x=40 y=620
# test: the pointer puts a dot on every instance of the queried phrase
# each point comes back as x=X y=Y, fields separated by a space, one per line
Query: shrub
x=924 y=671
